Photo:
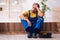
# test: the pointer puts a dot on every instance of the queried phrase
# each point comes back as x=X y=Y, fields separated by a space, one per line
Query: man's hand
x=36 y=7
x=39 y=11
x=29 y=23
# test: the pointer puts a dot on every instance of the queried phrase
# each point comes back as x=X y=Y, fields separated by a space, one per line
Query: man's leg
x=38 y=26
x=39 y=23
x=24 y=24
x=27 y=28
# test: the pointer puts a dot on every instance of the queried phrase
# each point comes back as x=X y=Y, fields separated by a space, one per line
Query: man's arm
x=39 y=12
x=22 y=17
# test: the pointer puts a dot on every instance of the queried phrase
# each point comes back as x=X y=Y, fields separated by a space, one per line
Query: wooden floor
x=23 y=37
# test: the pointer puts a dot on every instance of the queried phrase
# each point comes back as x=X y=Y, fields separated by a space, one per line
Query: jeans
x=34 y=25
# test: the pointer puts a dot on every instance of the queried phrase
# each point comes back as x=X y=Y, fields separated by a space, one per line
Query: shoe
x=29 y=35
x=34 y=35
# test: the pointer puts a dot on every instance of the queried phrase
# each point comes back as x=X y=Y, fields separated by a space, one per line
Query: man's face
x=34 y=7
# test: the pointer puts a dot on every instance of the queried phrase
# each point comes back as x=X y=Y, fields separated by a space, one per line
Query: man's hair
x=36 y=4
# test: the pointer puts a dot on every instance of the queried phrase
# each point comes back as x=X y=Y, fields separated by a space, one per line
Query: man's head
x=34 y=6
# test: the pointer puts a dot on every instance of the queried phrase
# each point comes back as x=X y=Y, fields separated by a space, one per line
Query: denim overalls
x=36 y=23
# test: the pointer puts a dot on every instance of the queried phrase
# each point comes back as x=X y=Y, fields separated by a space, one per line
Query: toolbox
x=45 y=35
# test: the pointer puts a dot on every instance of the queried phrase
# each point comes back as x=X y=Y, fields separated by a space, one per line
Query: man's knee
x=23 y=21
x=40 y=19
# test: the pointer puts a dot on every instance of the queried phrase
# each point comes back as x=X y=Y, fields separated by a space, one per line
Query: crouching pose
x=32 y=20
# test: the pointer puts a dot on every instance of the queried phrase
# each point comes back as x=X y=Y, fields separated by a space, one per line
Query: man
x=32 y=20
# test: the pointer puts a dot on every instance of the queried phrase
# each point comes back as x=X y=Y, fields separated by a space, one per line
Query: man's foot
x=29 y=35
x=35 y=35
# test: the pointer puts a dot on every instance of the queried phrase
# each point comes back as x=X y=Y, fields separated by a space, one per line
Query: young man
x=32 y=20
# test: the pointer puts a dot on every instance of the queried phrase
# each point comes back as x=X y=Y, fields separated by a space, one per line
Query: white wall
x=13 y=8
